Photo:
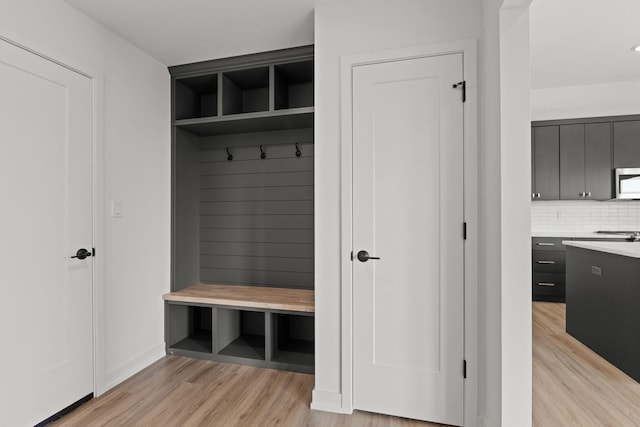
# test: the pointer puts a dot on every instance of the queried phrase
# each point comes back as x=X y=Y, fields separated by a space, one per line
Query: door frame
x=98 y=184
x=468 y=49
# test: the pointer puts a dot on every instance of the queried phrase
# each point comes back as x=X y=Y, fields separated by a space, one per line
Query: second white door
x=408 y=325
x=46 y=182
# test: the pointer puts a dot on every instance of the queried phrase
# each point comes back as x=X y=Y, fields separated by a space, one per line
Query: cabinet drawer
x=546 y=284
x=548 y=243
x=548 y=261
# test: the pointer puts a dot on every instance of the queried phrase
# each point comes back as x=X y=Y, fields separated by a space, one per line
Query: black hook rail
x=263 y=148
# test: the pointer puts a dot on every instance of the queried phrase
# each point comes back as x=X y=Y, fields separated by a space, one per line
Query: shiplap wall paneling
x=256 y=215
x=186 y=210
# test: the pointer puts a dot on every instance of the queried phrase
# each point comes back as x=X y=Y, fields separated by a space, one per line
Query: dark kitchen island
x=603 y=300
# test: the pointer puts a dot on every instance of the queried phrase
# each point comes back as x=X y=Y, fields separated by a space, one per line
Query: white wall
x=606 y=99
x=515 y=214
x=137 y=172
x=364 y=26
x=489 y=211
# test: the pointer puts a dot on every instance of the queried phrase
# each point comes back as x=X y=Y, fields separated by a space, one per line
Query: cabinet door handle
x=545 y=262
x=589 y=194
x=545 y=244
x=538 y=195
x=533 y=195
x=546 y=284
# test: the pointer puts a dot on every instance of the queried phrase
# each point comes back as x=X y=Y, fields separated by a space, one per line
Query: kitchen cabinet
x=602 y=304
x=585 y=161
x=626 y=144
x=548 y=266
x=545 y=147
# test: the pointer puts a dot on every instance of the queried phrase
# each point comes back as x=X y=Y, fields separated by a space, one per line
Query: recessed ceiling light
x=636 y=48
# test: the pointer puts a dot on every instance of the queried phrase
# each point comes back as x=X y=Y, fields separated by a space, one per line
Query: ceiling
x=573 y=42
x=179 y=32
x=580 y=42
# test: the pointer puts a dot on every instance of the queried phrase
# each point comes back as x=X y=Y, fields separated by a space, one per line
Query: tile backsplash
x=585 y=215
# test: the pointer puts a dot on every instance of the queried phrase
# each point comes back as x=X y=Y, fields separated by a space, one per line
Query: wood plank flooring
x=572 y=385
x=178 y=391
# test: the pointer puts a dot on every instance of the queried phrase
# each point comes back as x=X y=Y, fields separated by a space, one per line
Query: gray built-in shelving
x=249 y=220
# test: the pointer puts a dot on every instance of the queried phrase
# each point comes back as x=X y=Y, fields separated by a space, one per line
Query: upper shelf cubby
x=293 y=85
x=196 y=97
x=249 y=93
x=245 y=91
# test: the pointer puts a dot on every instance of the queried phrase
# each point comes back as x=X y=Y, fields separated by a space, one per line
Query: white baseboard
x=327 y=401
x=133 y=366
x=486 y=422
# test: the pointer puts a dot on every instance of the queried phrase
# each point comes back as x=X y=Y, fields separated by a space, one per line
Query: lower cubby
x=292 y=341
x=240 y=333
x=189 y=328
x=255 y=336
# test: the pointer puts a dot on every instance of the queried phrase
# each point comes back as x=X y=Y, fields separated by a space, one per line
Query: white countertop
x=577 y=234
x=630 y=249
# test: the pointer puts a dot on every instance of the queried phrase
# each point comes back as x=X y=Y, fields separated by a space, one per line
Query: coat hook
x=229 y=155
x=298 y=152
x=263 y=155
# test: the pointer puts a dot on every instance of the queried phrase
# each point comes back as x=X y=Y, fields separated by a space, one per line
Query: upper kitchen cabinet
x=585 y=161
x=545 y=155
x=626 y=144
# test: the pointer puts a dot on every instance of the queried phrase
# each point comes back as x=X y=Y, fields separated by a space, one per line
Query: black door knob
x=82 y=254
x=363 y=256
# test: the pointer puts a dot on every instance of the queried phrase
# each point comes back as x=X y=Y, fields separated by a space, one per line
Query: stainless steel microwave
x=628 y=183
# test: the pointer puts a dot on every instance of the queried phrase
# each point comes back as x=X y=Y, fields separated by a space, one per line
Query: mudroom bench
x=257 y=326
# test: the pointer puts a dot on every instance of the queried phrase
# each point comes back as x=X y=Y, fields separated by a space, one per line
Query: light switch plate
x=116 y=209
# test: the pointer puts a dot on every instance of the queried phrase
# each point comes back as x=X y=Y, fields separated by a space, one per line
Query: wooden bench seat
x=285 y=299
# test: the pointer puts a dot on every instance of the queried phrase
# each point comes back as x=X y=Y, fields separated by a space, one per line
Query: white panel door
x=46 y=134
x=408 y=328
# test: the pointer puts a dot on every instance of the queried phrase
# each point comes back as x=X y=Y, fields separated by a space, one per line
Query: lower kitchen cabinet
x=548 y=267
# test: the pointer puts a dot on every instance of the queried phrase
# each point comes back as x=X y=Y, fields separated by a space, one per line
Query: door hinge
x=464 y=230
x=351 y=255
x=464 y=369
x=463 y=85
x=93 y=251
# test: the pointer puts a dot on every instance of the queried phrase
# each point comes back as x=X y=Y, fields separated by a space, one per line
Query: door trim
x=468 y=49
x=98 y=183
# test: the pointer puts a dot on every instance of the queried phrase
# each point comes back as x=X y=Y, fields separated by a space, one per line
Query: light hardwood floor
x=572 y=386
x=178 y=391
